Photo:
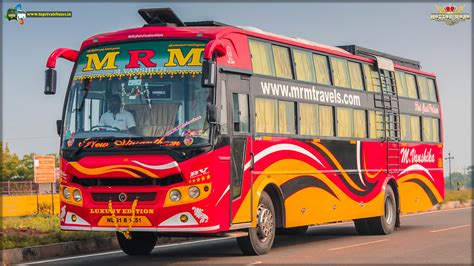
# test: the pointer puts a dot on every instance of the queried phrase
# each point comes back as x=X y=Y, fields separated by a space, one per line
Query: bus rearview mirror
x=59 y=127
x=50 y=81
x=209 y=71
x=211 y=113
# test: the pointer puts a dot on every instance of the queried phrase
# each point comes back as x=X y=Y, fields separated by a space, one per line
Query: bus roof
x=214 y=30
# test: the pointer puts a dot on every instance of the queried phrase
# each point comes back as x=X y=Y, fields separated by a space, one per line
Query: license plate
x=124 y=221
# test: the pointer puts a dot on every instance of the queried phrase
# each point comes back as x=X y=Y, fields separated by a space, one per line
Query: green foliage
x=14 y=168
x=39 y=230
x=458 y=195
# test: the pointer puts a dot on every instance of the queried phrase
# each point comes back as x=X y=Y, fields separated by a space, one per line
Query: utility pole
x=449 y=158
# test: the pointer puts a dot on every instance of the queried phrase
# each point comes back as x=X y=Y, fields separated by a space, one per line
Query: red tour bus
x=200 y=128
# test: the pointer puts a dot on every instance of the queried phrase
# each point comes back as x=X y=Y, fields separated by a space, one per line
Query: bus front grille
x=141 y=181
x=143 y=196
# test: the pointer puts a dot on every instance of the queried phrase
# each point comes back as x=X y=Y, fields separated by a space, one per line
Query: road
x=433 y=237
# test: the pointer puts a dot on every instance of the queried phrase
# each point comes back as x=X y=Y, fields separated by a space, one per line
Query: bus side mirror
x=211 y=113
x=59 y=127
x=209 y=72
x=50 y=81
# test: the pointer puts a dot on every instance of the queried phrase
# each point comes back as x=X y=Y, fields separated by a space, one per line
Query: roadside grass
x=460 y=195
x=40 y=229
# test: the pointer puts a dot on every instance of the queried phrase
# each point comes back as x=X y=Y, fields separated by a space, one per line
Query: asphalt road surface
x=443 y=237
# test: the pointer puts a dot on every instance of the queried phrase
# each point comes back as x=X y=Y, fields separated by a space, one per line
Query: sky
x=402 y=29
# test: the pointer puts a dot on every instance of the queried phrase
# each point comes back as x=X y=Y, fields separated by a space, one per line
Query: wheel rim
x=389 y=213
x=264 y=223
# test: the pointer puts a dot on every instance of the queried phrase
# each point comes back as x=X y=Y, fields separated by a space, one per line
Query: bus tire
x=385 y=224
x=141 y=243
x=362 y=226
x=260 y=239
x=299 y=230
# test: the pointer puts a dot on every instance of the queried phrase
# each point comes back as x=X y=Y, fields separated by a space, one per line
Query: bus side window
x=326 y=121
x=355 y=73
x=360 y=124
x=344 y=122
x=266 y=115
x=371 y=78
x=415 y=131
x=423 y=88
x=405 y=127
x=262 y=59
x=340 y=72
x=240 y=112
x=304 y=66
x=375 y=125
x=321 y=66
x=401 y=81
x=435 y=126
x=309 y=119
x=286 y=117
x=427 y=129
x=432 y=90
x=281 y=57
x=411 y=86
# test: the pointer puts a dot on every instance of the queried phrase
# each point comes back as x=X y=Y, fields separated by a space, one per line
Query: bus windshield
x=141 y=93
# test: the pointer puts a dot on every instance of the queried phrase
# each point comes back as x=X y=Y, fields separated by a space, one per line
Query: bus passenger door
x=240 y=148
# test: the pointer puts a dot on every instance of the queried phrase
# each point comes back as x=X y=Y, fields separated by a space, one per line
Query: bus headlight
x=175 y=195
x=194 y=192
x=67 y=193
x=77 y=195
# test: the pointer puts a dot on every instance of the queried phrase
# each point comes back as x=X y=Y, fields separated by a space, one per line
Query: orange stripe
x=111 y=168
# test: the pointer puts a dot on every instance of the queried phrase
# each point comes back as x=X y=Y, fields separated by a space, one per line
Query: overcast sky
x=402 y=29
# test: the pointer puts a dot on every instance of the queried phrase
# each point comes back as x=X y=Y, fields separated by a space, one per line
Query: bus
x=205 y=129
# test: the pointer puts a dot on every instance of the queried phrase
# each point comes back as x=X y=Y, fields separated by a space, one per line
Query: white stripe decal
x=225 y=191
x=281 y=147
x=358 y=163
x=158 y=167
x=416 y=167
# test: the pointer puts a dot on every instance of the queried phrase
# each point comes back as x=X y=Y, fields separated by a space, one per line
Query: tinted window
x=241 y=112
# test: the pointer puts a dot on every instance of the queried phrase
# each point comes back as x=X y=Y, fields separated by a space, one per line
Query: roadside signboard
x=44 y=169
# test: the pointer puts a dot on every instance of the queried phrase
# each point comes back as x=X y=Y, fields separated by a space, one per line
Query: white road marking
x=449 y=228
x=255 y=263
x=360 y=244
x=119 y=251
x=213 y=239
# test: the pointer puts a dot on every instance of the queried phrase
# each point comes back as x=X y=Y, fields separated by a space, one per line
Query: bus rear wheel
x=381 y=225
x=260 y=239
x=141 y=243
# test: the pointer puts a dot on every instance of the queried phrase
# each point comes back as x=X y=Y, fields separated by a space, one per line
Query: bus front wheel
x=141 y=243
x=260 y=239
